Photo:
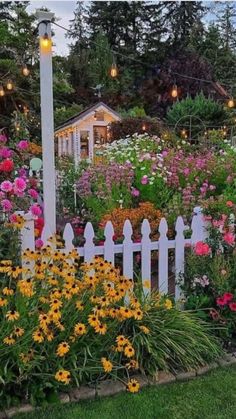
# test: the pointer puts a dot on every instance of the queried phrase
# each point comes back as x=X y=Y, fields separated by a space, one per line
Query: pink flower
x=6 y=205
x=135 y=192
x=5 y=152
x=38 y=243
x=202 y=249
x=6 y=186
x=3 y=138
x=33 y=193
x=19 y=184
x=228 y=297
x=229 y=204
x=229 y=238
x=13 y=218
x=35 y=210
x=23 y=145
x=232 y=306
x=144 y=180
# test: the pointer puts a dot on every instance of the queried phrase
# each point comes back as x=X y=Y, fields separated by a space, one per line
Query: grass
x=210 y=397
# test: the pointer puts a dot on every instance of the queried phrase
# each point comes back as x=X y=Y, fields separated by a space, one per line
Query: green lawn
x=212 y=396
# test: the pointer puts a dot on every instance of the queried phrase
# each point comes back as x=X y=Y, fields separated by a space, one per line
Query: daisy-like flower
x=93 y=320
x=79 y=305
x=107 y=365
x=62 y=349
x=19 y=331
x=55 y=303
x=121 y=340
x=144 y=329
x=101 y=329
x=3 y=302
x=129 y=351
x=132 y=365
x=12 y=315
x=138 y=314
x=79 y=329
x=133 y=386
x=63 y=376
x=38 y=336
x=7 y=291
x=9 y=340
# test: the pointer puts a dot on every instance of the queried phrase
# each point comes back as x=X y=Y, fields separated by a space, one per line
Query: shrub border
x=110 y=387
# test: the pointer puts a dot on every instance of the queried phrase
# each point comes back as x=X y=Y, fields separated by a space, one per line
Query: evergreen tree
x=226 y=23
x=180 y=18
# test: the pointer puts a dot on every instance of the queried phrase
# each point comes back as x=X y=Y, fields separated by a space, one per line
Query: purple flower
x=135 y=192
x=6 y=205
x=145 y=180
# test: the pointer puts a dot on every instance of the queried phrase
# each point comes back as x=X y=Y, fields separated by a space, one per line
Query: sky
x=64 y=12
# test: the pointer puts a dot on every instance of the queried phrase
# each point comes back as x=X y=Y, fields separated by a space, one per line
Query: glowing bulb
x=114 y=70
x=2 y=93
x=230 y=103
x=9 y=85
x=25 y=71
x=174 y=91
x=183 y=132
x=144 y=127
x=45 y=42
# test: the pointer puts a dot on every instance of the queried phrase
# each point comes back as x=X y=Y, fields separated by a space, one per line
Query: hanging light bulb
x=25 y=71
x=45 y=42
x=2 y=92
x=114 y=69
x=9 y=85
x=174 y=91
x=144 y=127
x=230 y=103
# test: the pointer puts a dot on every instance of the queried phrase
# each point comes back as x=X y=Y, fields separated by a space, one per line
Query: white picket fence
x=128 y=248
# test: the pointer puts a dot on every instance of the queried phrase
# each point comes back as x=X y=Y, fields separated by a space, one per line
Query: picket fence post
x=68 y=236
x=146 y=257
x=179 y=254
x=128 y=250
x=163 y=257
x=198 y=226
x=109 y=254
x=89 y=247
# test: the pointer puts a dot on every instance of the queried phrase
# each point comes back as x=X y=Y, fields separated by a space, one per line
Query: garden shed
x=78 y=135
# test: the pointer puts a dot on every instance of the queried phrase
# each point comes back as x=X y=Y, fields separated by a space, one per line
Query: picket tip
x=179 y=225
x=145 y=228
x=163 y=227
x=109 y=229
x=127 y=229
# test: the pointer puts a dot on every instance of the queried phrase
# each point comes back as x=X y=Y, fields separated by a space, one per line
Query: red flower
x=202 y=249
x=39 y=224
x=6 y=165
x=229 y=238
x=220 y=301
x=232 y=306
x=228 y=297
x=79 y=230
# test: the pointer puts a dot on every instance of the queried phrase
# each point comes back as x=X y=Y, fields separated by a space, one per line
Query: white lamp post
x=47 y=123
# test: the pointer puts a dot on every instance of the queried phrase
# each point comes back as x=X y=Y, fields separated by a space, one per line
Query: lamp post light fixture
x=47 y=123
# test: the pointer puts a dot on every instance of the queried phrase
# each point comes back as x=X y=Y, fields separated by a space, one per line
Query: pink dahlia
x=6 y=186
x=6 y=205
x=38 y=243
x=33 y=193
x=35 y=210
x=229 y=238
x=19 y=184
x=23 y=145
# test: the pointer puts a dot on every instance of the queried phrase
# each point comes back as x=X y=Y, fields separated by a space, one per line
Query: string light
x=25 y=70
x=144 y=127
x=9 y=85
x=114 y=69
x=231 y=103
x=174 y=91
x=2 y=92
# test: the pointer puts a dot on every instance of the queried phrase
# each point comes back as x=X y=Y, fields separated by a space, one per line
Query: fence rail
x=128 y=248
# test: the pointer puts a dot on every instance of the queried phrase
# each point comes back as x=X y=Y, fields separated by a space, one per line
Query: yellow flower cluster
x=55 y=304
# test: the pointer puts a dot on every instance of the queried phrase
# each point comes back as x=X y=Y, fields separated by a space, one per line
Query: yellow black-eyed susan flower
x=133 y=386
x=107 y=365
x=12 y=315
x=63 y=376
x=62 y=349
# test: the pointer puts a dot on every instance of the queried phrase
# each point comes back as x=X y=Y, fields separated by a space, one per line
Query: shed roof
x=86 y=112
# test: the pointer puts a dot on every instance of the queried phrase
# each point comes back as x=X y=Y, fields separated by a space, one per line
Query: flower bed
x=68 y=324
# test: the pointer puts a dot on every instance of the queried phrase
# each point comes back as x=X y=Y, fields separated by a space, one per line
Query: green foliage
x=207 y=110
x=65 y=112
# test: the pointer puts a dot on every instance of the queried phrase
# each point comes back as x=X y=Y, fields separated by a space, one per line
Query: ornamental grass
x=65 y=323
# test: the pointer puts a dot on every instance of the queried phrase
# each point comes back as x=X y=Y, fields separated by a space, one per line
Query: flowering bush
x=210 y=277
x=18 y=191
x=66 y=323
x=136 y=217
x=104 y=187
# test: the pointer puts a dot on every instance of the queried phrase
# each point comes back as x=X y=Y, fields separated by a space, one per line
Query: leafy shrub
x=67 y=324
x=131 y=125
